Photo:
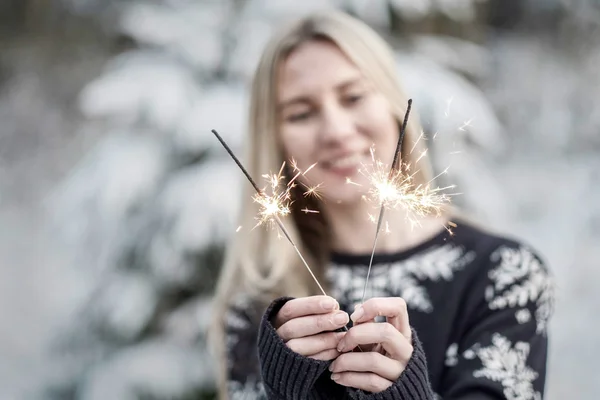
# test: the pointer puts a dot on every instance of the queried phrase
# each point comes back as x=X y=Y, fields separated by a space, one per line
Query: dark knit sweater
x=479 y=306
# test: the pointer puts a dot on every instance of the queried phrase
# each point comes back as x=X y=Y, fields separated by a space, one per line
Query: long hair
x=261 y=265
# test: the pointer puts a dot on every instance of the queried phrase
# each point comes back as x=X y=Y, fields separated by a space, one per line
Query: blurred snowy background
x=115 y=200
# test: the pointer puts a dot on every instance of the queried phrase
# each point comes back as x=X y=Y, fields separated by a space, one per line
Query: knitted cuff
x=284 y=372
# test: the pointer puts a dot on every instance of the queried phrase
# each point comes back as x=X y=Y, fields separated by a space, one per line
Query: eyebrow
x=305 y=99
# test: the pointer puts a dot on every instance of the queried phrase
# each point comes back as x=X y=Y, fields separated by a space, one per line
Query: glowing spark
x=448 y=102
x=453 y=225
x=349 y=181
x=238 y=228
x=465 y=124
x=421 y=156
x=421 y=136
x=294 y=165
x=313 y=191
x=398 y=189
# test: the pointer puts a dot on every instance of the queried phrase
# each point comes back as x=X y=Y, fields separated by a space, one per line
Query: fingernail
x=331 y=367
x=357 y=314
x=340 y=346
x=328 y=304
x=340 y=318
x=335 y=377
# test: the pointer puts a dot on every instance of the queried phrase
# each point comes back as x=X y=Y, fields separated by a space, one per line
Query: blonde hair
x=261 y=265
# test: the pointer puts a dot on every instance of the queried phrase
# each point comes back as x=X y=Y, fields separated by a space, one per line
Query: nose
x=337 y=124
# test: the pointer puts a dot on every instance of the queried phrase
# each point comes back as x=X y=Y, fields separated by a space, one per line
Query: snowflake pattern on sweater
x=489 y=299
x=402 y=278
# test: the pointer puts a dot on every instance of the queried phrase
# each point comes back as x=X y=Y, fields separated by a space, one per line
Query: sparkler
x=395 y=188
x=384 y=193
x=275 y=205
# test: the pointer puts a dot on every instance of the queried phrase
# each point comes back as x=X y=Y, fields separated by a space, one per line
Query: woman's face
x=331 y=115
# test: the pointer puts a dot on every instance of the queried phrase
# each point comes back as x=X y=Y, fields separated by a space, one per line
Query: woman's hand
x=306 y=325
x=377 y=369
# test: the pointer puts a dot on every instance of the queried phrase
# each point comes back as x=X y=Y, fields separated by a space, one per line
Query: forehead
x=315 y=65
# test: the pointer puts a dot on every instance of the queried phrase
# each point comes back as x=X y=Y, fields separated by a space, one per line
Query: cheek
x=298 y=145
x=382 y=128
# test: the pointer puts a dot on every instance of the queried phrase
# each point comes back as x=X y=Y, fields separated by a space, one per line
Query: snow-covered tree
x=151 y=207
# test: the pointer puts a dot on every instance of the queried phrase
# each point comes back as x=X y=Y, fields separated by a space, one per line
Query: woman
x=465 y=313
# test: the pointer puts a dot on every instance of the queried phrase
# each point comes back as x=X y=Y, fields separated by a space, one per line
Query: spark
x=465 y=125
x=448 y=102
x=313 y=191
x=350 y=182
x=421 y=136
x=275 y=200
x=394 y=186
x=239 y=228
x=275 y=205
x=421 y=156
x=398 y=189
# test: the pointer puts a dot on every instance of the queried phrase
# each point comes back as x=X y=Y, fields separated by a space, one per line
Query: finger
x=362 y=321
x=304 y=306
x=326 y=355
x=394 y=308
x=315 y=344
x=312 y=325
x=366 y=381
x=371 y=361
x=394 y=343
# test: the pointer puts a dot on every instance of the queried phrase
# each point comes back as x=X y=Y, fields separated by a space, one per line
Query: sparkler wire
x=381 y=210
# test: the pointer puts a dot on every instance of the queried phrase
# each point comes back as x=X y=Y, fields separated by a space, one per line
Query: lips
x=348 y=161
x=346 y=165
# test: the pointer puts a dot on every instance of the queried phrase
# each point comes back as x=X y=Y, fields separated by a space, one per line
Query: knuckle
x=372 y=360
x=349 y=337
x=388 y=331
x=402 y=304
x=293 y=345
x=285 y=331
x=409 y=355
x=286 y=311
x=323 y=323
x=404 y=357
x=372 y=383
x=327 y=341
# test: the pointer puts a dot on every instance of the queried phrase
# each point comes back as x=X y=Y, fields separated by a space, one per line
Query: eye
x=298 y=117
x=353 y=98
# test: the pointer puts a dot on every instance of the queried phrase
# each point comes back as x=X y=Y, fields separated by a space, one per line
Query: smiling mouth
x=344 y=162
x=346 y=165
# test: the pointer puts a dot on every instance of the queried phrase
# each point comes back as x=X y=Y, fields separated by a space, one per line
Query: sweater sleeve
x=243 y=374
x=286 y=374
x=502 y=355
